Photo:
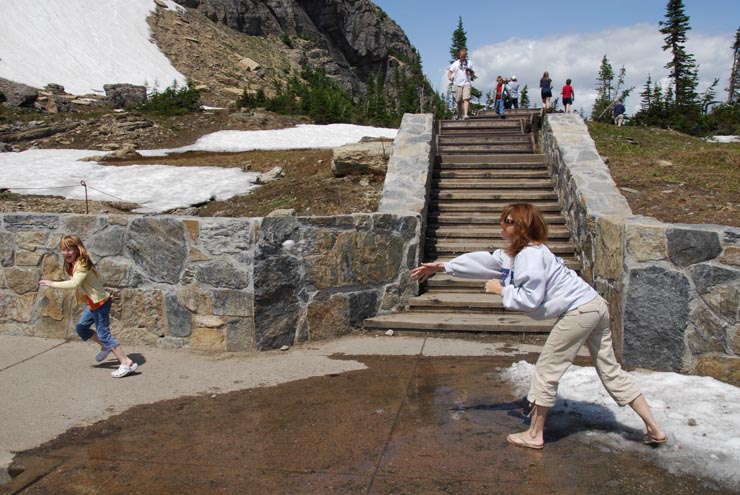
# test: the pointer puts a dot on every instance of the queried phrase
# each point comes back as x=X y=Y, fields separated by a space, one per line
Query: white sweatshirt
x=535 y=281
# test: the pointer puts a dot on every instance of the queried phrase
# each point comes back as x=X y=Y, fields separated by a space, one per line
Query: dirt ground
x=402 y=426
x=663 y=174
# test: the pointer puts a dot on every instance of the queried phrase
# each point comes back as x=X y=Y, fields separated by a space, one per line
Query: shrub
x=173 y=101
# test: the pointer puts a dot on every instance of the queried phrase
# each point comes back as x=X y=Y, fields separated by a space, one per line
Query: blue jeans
x=101 y=318
x=499 y=106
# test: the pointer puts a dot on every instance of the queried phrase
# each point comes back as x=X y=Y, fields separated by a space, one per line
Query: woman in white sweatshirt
x=531 y=279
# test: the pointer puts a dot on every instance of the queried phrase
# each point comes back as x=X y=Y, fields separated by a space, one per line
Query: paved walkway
x=363 y=414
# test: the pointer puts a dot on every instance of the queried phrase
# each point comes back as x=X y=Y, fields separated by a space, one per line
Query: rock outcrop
x=349 y=39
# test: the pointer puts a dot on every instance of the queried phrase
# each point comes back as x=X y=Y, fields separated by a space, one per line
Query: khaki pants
x=590 y=324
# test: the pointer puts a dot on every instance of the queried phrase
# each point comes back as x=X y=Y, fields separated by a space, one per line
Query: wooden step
x=475 y=219
x=479 y=138
x=456 y=247
x=473 y=231
x=549 y=209
x=502 y=173
x=491 y=159
x=499 y=183
x=459 y=322
x=512 y=196
x=474 y=149
x=479 y=124
x=456 y=302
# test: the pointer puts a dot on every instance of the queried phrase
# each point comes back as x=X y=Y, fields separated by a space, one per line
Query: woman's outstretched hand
x=426 y=270
x=494 y=286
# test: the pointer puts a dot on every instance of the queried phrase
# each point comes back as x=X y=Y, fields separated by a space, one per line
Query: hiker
x=618 y=113
x=546 y=90
x=568 y=95
x=460 y=75
x=513 y=89
x=498 y=103
x=531 y=279
x=89 y=289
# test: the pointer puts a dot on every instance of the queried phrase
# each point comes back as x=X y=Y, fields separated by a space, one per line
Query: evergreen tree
x=709 y=97
x=682 y=66
x=524 y=97
x=646 y=97
x=604 y=88
x=733 y=91
x=459 y=40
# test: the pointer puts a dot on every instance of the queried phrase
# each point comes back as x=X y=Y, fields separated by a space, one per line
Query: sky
x=59 y=172
x=568 y=40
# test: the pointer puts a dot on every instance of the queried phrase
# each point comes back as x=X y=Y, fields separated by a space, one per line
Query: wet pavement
x=405 y=422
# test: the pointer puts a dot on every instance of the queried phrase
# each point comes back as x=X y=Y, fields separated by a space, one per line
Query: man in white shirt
x=460 y=74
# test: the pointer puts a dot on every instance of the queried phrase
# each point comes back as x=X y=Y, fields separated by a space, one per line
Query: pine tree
x=733 y=92
x=604 y=88
x=682 y=66
x=646 y=97
x=524 y=97
x=459 y=40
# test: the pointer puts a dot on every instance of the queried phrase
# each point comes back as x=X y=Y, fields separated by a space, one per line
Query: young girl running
x=531 y=279
x=89 y=289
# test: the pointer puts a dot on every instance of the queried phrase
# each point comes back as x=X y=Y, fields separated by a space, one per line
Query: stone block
x=52 y=267
x=27 y=258
x=119 y=272
x=107 y=242
x=705 y=333
x=7 y=249
x=179 y=319
x=82 y=225
x=230 y=302
x=142 y=315
x=207 y=339
x=655 y=318
x=221 y=236
x=723 y=368
x=362 y=305
x=706 y=275
x=608 y=251
x=686 y=246
x=193 y=228
x=21 y=222
x=196 y=298
x=239 y=335
x=731 y=256
x=328 y=316
x=725 y=302
x=53 y=302
x=222 y=274
x=15 y=307
x=22 y=279
x=31 y=241
x=196 y=254
x=361 y=159
x=158 y=247
x=207 y=321
x=344 y=259
x=645 y=242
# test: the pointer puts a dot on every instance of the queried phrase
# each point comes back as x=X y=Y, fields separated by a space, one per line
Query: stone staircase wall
x=674 y=289
x=228 y=284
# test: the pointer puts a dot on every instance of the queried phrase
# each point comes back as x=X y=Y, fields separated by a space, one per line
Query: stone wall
x=223 y=284
x=674 y=289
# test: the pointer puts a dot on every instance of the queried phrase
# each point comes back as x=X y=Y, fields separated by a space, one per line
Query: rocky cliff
x=349 y=39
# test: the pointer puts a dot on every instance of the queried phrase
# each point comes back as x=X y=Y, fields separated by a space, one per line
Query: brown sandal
x=519 y=441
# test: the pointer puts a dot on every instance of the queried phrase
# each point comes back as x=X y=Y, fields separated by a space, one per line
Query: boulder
x=17 y=94
x=361 y=159
x=125 y=95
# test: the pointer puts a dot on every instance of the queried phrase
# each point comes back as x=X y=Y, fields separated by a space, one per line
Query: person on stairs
x=530 y=278
x=498 y=104
x=460 y=74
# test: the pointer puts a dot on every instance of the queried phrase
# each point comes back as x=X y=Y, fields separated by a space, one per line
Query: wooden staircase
x=483 y=164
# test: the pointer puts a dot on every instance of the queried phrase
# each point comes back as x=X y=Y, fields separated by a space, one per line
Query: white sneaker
x=124 y=370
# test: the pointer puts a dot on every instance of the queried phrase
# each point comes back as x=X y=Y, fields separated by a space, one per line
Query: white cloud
x=578 y=56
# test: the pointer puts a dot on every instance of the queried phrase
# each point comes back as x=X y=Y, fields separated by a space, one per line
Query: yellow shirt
x=87 y=285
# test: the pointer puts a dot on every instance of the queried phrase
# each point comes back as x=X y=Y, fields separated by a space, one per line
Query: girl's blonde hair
x=73 y=241
x=529 y=226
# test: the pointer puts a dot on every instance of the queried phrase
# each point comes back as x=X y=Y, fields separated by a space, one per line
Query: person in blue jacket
x=530 y=278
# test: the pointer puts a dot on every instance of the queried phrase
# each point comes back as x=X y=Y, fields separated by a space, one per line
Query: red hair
x=529 y=226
